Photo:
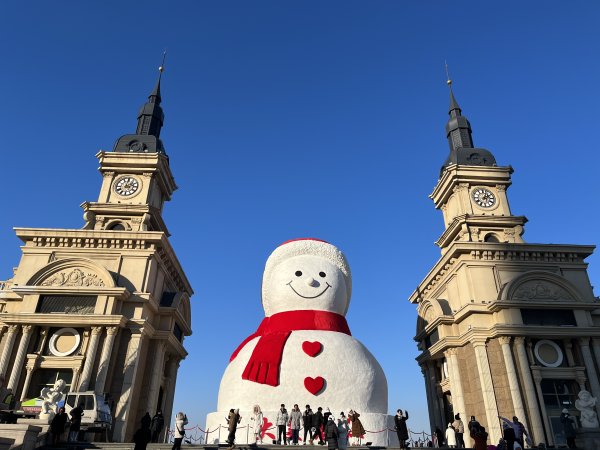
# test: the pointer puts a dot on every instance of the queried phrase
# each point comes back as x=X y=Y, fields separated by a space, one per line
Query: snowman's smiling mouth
x=303 y=296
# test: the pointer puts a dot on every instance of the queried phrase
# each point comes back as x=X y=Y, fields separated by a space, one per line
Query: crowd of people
x=514 y=434
x=320 y=426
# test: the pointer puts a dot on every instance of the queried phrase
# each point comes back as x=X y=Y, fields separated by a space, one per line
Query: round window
x=64 y=342
x=548 y=353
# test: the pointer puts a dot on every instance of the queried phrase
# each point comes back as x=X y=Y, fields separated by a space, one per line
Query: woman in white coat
x=179 y=432
x=258 y=424
x=450 y=436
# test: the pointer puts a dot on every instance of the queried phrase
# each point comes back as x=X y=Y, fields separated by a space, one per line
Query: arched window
x=491 y=237
x=117 y=226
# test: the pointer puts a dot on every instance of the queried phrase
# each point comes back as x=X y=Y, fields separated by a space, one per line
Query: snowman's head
x=306 y=274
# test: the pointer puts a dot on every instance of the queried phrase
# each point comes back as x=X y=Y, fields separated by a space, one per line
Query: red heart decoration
x=312 y=348
x=314 y=385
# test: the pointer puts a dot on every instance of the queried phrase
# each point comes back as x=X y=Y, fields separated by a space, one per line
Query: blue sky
x=302 y=118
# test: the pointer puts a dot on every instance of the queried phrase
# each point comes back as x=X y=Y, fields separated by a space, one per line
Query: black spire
x=150 y=121
x=458 y=133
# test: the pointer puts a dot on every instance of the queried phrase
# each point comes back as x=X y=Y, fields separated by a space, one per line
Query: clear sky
x=302 y=118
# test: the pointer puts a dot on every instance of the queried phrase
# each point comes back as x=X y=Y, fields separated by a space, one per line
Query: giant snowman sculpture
x=303 y=351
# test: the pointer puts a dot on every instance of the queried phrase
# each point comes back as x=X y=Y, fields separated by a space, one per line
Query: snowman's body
x=318 y=367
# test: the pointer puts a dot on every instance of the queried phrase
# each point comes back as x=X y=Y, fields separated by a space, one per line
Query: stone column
x=596 y=347
x=456 y=383
x=26 y=383
x=123 y=406
x=537 y=429
x=569 y=352
x=487 y=388
x=590 y=368
x=111 y=332
x=76 y=371
x=90 y=357
x=15 y=375
x=537 y=378
x=172 y=367
x=513 y=380
x=157 y=372
x=430 y=407
x=8 y=348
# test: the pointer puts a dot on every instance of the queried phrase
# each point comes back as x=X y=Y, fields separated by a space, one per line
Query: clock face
x=484 y=197
x=127 y=186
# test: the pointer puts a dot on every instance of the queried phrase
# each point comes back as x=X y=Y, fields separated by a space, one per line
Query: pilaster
x=20 y=358
x=90 y=357
x=111 y=332
x=513 y=380
x=458 y=398
x=156 y=376
x=537 y=428
x=592 y=374
x=8 y=348
x=487 y=388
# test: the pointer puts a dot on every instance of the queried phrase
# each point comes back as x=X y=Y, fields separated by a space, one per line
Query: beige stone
x=106 y=281
x=483 y=302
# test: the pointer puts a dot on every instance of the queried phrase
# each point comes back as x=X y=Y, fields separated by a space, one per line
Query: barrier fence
x=420 y=438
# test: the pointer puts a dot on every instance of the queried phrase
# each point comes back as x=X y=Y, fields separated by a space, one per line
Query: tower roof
x=458 y=133
x=150 y=121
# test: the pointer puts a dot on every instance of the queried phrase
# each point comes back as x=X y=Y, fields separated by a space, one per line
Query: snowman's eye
x=322 y=274
x=298 y=273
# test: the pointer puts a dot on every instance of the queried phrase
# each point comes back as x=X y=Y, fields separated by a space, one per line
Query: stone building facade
x=504 y=327
x=105 y=307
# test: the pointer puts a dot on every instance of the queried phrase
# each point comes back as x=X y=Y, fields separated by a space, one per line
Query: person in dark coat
x=480 y=438
x=156 y=426
x=76 y=415
x=58 y=424
x=568 y=427
x=401 y=428
x=146 y=420
x=331 y=433
x=439 y=436
x=307 y=416
x=508 y=433
x=317 y=423
x=233 y=420
x=141 y=438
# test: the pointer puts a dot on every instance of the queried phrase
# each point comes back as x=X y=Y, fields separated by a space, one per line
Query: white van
x=96 y=412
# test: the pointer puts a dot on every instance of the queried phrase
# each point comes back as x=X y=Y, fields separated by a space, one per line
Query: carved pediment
x=75 y=278
x=540 y=290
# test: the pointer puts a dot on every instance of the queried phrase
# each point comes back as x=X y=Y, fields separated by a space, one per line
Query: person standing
x=58 y=425
x=179 y=433
x=258 y=424
x=146 y=421
x=331 y=433
x=401 y=428
x=142 y=437
x=358 y=431
x=317 y=423
x=450 y=436
x=568 y=427
x=439 y=437
x=480 y=437
x=295 y=423
x=508 y=433
x=307 y=416
x=156 y=425
x=343 y=430
x=76 y=415
x=281 y=422
x=459 y=429
x=233 y=420
x=518 y=427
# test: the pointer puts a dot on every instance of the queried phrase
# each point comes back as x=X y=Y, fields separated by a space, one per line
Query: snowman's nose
x=312 y=282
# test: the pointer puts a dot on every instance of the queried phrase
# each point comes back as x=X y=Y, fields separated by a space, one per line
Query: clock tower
x=472 y=190
x=105 y=308
x=504 y=328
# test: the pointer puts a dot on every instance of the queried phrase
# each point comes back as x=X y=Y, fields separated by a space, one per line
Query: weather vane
x=448 y=80
x=161 y=68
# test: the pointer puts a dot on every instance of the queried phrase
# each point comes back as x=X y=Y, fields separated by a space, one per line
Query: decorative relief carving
x=504 y=340
x=107 y=174
x=112 y=330
x=500 y=187
x=75 y=277
x=538 y=290
x=96 y=331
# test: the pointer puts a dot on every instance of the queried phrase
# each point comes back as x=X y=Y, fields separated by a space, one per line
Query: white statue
x=585 y=404
x=50 y=398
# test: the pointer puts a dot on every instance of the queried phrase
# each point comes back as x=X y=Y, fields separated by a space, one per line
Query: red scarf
x=264 y=364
